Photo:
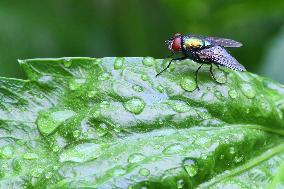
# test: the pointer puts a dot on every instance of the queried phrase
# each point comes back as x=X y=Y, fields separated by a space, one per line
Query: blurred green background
x=99 y=28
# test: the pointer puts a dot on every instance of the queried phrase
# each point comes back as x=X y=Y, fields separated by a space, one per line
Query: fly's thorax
x=194 y=43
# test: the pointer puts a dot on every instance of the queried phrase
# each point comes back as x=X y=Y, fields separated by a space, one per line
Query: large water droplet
x=190 y=167
x=75 y=84
x=238 y=159
x=48 y=121
x=137 y=88
x=179 y=106
x=233 y=93
x=81 y=153
x=148 y=61
x=173 y=148
x=248 y=90
x=104 y=76
x=118 y=63
x=188 y=84
x=144 y=172
x=180 y=184
x=134 y=105
x=135 y=158
x=220 y=76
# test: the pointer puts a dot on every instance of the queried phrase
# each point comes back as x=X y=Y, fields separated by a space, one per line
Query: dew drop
x=67 y=62
x=248 y=90
x=238 y=159
x=144 y=172
x=148 y=61
x=30 y=156
x=179 y=106
x=101 y=129
x=48 y=175
x=173 y=148
x=104 y=104
x=36 y=172
x=144 y=77
x=7 y=152
x=45 y=80
x=118 y=63
x=160 y=88
x=180 y=184
x=76 y=133
x=190 y=167
x=81 y=153
x=134 y=105
x=233 y=93
x=188 y=84
x=48 y=121
x=104 y=77
x=137 y=88
x=17 y=165
x=220 y=76
x=75 y=84
x=135 y=158
x=118 y=172
x=92 y=94
x=232 y=150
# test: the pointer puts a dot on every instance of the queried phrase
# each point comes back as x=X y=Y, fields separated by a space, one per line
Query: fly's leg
x=211 y=72
x=173 y=59
x=196 y=76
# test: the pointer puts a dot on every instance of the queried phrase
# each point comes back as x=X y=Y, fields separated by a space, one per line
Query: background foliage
x=138 y=28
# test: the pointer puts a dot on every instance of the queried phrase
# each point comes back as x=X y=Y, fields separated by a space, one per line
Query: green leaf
x=110 y=123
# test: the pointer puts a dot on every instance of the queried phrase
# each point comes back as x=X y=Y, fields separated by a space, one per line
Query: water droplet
x=233 y=93
x=67 y=62
x=188 y=84
x=104 y=76
x=148 y=61
x=30 y=156
x=160 y=88
x=134 y=105
x=137 y=88
x=190 y=167
x=238 y=159
x=81 y=153
x=204 y=114
x=75 y=84
x=219 y=95
x=45 y=80
x=220 y=76
x=135 y=158
x=222 y=156
x=180 y=184
x=144 y=77
x=48 y=175
x=118 y=63
x=96 y=114
x=36 y=172
x=179 y=106
x=55 y=148
x=7 y=152
x=17 y=165
x=101 y=129
x=248 y=90
x=76 y=133
x=232 y=150
x=48 y=121
x=173 y=148
x=104 y=104
x=92 y=94
x=118 y=172
x=144 y=172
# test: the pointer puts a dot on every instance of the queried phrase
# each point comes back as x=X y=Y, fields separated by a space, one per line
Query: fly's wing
x=223 y=42
x=216 y=41
x=220 y=56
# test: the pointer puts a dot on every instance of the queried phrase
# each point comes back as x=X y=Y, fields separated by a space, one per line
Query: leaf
x=110 y=123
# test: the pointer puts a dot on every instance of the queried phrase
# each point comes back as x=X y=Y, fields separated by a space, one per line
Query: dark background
x=98 y=28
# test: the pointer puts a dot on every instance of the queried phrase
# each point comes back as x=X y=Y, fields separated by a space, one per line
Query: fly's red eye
x=176 y=45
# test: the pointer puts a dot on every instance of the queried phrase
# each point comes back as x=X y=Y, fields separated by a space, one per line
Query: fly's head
x=174 y=43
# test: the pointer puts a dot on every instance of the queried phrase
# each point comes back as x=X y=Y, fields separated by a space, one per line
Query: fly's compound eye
x=176 y=44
